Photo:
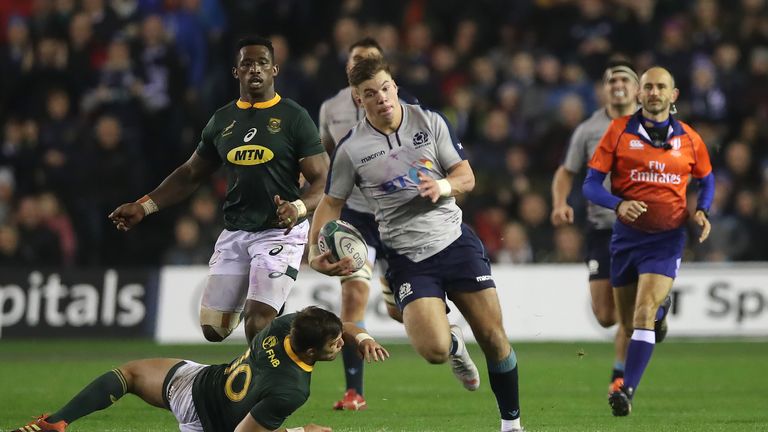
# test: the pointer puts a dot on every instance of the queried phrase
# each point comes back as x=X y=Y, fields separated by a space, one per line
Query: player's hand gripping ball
x=343 y=240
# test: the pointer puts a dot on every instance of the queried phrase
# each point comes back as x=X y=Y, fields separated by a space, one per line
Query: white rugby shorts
x=179 y=395
x=268 y=260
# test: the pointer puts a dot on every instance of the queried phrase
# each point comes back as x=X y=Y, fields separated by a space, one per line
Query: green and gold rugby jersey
x=268 y=380
x=260 y=146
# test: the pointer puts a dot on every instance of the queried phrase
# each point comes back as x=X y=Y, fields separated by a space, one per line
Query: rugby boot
x=40 y=425
x=621 y=401
x=351 y=402
x=462 y=365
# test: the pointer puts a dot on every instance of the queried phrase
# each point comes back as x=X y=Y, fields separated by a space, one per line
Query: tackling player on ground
x=650 y=156
x=264 y=143
x=255 y=392
x=409 y=166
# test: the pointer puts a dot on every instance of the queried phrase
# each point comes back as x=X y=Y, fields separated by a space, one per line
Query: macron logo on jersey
x=372 y=157
x=655 y=174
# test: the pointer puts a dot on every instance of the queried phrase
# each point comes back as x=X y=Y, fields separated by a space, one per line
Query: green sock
x=99 y=394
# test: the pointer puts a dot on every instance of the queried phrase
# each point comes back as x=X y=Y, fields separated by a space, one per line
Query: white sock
x=508 y=425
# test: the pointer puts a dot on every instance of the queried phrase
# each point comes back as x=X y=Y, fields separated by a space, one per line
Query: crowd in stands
x=101 y=99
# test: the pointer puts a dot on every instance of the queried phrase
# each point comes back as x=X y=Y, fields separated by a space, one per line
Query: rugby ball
x=343 y=239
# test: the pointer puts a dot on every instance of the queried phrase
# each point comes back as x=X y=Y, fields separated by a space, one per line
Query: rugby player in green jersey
x=255 y=392
x=264 y=143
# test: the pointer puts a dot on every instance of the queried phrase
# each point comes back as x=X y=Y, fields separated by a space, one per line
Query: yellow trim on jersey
x=293 y=356
x=259 y=105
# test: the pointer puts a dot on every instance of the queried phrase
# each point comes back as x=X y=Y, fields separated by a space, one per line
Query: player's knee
x=215 y=334
x=364 y=274
x=493 y=341
x=435 y=356
x=217 y=325
x=644 y=316
x=605 y=318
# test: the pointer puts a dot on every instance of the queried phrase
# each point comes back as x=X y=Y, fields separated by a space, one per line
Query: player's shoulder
x=290 y=105
x=344 y=95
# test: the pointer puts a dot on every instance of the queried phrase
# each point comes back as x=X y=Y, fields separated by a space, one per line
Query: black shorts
x=461 y=266
x=598 y=258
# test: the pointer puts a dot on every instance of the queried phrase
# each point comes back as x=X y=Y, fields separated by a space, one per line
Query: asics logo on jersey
x=249 y=136
x=250 y=154
x=372 y=156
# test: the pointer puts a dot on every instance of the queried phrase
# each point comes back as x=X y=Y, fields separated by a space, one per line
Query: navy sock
x=638 y=356
x=353 y=365
x=504 y=383
x=353 y=368
x=99 y=394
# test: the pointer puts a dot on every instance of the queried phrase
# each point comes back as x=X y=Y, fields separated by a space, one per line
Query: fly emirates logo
x=655 y=174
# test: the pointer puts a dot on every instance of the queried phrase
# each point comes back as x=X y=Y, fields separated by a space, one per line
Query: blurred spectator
x=10 y=255
x=516 y=248
x=38 y=244
x=59 y=133
x=534 y=216
x=54 y=217
x=568 y=243
x=188 y=249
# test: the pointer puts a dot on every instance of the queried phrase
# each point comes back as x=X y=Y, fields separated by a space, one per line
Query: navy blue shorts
x=462 y=266
x=598 y=258
x=366 y=224
x=634 y=252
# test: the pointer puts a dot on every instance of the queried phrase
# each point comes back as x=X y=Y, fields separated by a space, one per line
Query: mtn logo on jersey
x=250 y=154
x=420 y=139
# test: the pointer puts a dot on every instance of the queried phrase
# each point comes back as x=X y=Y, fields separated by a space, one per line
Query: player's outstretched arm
x=315 y=169
x=249 y=424
x=176 y=187
x=367 y=347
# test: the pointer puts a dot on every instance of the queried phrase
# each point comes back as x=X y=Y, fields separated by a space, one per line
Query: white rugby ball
x=343 y=240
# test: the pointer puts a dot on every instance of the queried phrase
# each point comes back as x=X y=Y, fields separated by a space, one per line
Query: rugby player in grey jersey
x=337 y=116
x=620 y=88
x=409 y=166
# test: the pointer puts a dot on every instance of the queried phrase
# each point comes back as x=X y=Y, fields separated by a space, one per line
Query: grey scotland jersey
x=385 y=168
x=337 y=116
x=583 y=143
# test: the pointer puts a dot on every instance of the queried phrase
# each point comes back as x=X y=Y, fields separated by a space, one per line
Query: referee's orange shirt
x=655 y=175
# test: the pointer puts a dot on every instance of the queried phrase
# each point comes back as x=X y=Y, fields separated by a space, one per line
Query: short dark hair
x=366 y=69
x=313 y=327
x=366 y=42
x=255 y=40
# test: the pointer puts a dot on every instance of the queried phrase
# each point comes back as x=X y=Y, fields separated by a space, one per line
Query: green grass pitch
x=689 y=386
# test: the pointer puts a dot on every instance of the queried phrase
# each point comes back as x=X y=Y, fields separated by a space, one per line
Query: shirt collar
x=289 y=350
x=259 y=105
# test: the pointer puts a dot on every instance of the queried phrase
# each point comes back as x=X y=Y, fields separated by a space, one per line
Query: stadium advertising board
x=94 y=303
x=540 y=303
